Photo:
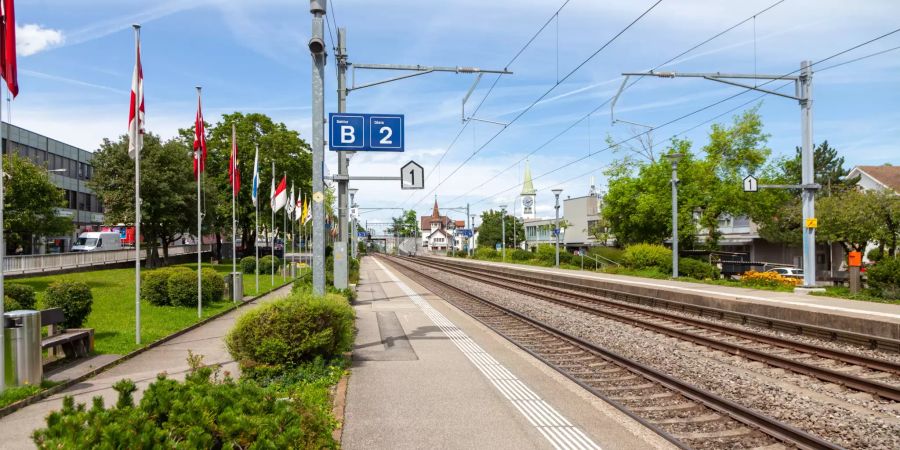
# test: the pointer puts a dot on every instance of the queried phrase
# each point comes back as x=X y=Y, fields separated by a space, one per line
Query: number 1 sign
x=412 y=176
x=366 y=132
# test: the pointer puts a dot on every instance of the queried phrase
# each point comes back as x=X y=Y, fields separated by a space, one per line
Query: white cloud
x=32 y=38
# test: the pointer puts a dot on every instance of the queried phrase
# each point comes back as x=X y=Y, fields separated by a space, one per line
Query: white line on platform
x=550 y=423
x=721 y=294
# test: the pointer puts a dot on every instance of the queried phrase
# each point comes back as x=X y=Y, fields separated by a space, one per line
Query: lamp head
x=674 y=157
x=556 y=192
x=353 y=191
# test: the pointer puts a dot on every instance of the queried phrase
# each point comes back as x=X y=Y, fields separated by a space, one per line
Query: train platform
x=879 y=320
x=426 y=375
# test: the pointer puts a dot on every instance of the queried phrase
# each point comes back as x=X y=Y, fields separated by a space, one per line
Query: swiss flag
x=8 y=50
x=279 y=198
x=199 y=140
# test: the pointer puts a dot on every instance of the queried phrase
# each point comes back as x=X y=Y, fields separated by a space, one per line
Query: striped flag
x=254 y=194
x=234 y=175
x=199 y=140
x=279 y=195
x=289 y=206
x=136 y=118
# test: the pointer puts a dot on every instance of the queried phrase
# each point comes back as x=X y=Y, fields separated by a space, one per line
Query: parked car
x=96 y=241
x=788 y=272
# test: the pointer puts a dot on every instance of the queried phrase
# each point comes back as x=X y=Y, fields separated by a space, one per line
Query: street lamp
x=472 y=237
x=556 y=193
x=352 y=238
x=503 y=232
x=674 y=158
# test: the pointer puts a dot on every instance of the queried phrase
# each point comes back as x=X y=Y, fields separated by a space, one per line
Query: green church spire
x=528 y=185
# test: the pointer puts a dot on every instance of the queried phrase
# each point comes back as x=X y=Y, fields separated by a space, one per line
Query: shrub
x=643 y=256
x=520 y=255
x=73 y=297
x=875 y=254
x=182 y=287
x=213 y=285
x=287 y=332
x=486 y=253
x=612 y=253
x=248 y=264
x=201 y=412
x=884 y=278
x=694 y=268
x=154 y=286
x=21 y=296
x=266 y=263
x=768 y=280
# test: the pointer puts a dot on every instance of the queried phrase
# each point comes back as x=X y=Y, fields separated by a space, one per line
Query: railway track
x=687 y=416
x=825 y=364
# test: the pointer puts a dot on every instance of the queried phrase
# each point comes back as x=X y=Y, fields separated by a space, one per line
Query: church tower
x=528 y=194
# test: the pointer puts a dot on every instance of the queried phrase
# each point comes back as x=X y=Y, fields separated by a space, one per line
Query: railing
x=598 y=261
x=16 y=265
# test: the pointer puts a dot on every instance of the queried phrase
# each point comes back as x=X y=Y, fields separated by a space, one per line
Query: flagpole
x=284 y=242
x=198 y=157
x=137 y=193
x=274 y=235
x=256 y=205
x=2 y=263
x=234 y=178
x=293 y=218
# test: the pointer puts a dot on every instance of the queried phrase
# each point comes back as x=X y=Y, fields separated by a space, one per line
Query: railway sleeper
x=711 y=417
x=740 y=430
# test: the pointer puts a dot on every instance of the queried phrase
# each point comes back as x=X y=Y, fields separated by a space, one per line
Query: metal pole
x=556 y=228
x=2 y=263
x=284 y=240
x=256 y=233
x=137 y=198
x=197 y=156
x=274 y=235
x=674 y=218
x=503 y=227
x=340 y=275
x=317 y=8
x=293 y=219
x=808 y=195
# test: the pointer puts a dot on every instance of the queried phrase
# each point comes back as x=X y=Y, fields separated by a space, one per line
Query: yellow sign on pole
x=812 y=222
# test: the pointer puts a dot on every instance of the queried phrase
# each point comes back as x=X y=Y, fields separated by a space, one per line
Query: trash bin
x=235 y=283
x=23 y=348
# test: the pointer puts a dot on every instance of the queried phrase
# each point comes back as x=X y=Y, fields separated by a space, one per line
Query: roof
x=528 y=184
x=887 y=175
x=460 y=223
x=435 y=213
x=425 y=221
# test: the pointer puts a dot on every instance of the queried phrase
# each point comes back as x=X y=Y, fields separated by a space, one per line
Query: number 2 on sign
x=386 y=140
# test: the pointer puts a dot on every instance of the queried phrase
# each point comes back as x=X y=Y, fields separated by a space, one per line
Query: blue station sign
x=366 y=132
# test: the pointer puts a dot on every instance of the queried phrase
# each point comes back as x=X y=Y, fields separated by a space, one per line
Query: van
x=97 y=241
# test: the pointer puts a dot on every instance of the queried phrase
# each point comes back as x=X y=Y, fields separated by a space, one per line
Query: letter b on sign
x=348 y=134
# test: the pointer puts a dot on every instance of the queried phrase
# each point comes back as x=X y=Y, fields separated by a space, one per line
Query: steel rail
x=747 y=416
x=861 y=384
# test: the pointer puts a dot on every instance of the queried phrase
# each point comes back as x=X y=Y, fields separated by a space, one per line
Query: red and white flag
x=199 y=140
x=8 y=52
x=234 y=175
x=136 y=118
x=279 y=197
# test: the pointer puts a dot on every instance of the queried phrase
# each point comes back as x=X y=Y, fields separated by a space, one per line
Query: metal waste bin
x=235 y=283
x=23 y=348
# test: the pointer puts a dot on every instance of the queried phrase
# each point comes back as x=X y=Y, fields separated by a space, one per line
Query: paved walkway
x=426 y=375
x=171 y=358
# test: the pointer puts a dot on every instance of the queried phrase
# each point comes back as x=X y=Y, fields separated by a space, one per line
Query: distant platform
x=426 y=375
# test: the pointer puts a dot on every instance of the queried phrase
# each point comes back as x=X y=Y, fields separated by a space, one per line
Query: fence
x=17 y=265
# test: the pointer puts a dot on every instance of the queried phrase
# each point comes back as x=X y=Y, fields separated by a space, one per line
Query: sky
x=76 y=61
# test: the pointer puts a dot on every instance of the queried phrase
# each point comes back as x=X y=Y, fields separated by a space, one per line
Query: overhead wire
x=719 y=102
x=541 y=97
x=606 y=102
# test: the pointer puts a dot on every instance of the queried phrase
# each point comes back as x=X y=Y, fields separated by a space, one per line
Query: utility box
x=340 y=265
x=235 y=286
x=22 y=330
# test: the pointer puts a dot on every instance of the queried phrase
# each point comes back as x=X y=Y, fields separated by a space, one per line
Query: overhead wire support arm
x=417 y=70
x=722 y=78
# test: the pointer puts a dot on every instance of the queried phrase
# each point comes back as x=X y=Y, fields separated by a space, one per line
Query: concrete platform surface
x=170 y=357
x=870 y=318
x=426 y=375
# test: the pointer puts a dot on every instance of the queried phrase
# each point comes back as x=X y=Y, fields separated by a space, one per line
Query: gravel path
x=847 y=418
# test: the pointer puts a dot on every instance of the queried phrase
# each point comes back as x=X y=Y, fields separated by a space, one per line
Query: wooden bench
x=75 y=343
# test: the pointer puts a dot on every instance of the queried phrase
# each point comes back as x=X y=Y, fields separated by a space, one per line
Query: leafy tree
x=829 y=167
x=490 y=232
x=30 y=203
x=167 y=189
x=406 y=224
x=848 y=218
x=277 y=143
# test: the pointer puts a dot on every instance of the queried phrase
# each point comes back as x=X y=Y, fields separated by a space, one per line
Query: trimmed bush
x=644 y=256
x=155 y=284
x=248 y=264
x=182 y=287
x=520 y=255
x=286 y=333
x=265 y=264
x=73 y=297
x=884 y=278
x=213 y=285
x=486 y=253
x=694 y=268
x=21 y=296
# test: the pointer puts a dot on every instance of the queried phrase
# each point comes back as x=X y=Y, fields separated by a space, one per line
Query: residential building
x=882 y=177
x=438 y=232
x=70 y=169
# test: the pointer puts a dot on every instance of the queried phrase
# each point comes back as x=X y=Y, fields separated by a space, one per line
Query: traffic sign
x=365 y=132
x=751 y=184
x=362 y=234
x=464 y=232
x=412 y=176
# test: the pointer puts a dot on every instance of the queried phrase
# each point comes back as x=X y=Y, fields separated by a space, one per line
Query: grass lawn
x=112 y=316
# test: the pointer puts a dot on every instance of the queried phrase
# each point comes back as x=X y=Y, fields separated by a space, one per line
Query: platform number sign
x=366 y=132
x=751 y=184
x=412 y=176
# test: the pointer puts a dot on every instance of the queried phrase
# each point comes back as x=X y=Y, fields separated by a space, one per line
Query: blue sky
x=76 y=60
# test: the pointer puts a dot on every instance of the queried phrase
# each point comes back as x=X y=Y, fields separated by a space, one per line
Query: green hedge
x=520 y=255
x=701 y=270
x=73 y=297
x=182 y=288
x=265 y=264
x=645 y=256
x=288 y=332
x=248 y=264
x=486 y=253
x=18 y=296
x=213 y=285
x=884 y=278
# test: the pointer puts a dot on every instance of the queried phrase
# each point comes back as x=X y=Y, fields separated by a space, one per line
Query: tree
x=277 y=143
x=829 y=167
x=406 y=224
x=167 y=189
x=30 y=203
x=848 y=218
x=490 y=233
